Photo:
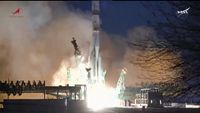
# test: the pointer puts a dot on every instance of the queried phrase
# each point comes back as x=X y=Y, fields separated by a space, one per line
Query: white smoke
x=37 y=46
x=34 y=43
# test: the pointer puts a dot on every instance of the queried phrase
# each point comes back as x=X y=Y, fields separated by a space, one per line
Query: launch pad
x=89 y=84
x=19 y=87
x=67 y=97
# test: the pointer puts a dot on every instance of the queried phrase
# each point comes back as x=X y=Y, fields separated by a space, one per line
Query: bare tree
x=178 y=47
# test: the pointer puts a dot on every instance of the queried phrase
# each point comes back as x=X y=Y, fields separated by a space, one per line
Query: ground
x=150 y=110
x=123 y=110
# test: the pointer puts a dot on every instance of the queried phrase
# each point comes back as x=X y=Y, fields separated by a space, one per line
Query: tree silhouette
x=176 y=50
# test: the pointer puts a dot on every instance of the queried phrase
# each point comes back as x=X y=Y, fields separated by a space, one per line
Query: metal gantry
x=20 y=87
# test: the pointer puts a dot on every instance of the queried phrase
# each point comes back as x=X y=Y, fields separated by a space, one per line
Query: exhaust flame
x=100 y=96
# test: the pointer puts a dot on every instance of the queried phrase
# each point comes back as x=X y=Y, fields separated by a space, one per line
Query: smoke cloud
x=34 y=45
x=118 y=55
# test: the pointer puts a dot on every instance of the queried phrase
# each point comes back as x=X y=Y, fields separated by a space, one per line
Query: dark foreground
x=150 y=110
x=60 y=106
x=123 y=110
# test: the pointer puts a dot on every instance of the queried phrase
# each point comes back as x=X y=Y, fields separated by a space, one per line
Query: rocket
x=95 y=58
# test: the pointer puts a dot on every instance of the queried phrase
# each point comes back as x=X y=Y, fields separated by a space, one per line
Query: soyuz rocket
x=97 y=73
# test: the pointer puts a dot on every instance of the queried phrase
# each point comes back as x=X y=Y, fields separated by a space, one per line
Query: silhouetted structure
x=19 y=87
x=77 y=51
x=149 y=98
x=69 y=98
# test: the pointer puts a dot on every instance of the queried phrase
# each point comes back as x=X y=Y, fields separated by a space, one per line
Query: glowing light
x=100 y=96
x=192 y=106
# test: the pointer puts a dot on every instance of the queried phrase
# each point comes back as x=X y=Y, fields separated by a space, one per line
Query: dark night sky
x=120 y=16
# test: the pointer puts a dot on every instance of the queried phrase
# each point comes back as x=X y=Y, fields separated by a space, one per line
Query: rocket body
x=95 y=58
